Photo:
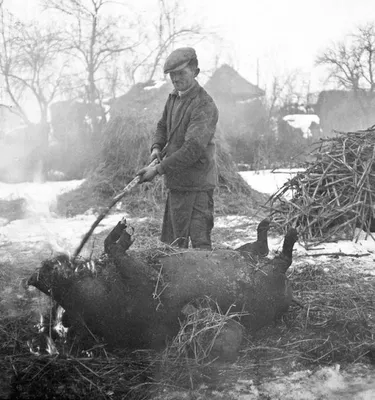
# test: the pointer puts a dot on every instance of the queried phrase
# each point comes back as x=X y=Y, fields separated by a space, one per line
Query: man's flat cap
x=179 y=59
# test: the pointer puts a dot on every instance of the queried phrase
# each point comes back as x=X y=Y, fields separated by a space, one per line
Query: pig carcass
x=135 y=298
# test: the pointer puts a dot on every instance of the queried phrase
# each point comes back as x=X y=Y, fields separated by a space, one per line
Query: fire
x=58 y=326
x=42 y=342
x=51 y=347
x=40 y=326
x=34 y=347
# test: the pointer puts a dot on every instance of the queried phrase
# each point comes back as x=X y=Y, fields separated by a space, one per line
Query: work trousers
x=188 y=215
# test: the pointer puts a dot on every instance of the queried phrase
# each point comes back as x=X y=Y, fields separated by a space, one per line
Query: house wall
x=345 y=111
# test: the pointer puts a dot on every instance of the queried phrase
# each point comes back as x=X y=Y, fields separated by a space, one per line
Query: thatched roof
x=148 y=96
x=226 y=82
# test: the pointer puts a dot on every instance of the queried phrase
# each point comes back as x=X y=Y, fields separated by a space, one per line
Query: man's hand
x=147 y=174
x=155 y=154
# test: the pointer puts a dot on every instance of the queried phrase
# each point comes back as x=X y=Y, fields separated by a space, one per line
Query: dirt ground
x=268 y=366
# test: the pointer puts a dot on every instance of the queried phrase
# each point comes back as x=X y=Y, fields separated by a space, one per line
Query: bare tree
x=169 y=30
x=344 y=62
x=114 y=80
x=284 y=90
x=31 y=69
x=93 y=39
x=351 y=64
x=30 y=64
x=365 y=39
x=351 y=61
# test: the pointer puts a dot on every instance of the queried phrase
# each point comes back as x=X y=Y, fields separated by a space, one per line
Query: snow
x=40 y=224
x=231 y=221
x=327 y=383
x=268 y=181
x=303 y=122
x=62 y=234
x=41 y=192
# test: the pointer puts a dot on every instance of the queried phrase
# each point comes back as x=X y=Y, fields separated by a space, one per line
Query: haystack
x=334 y=195
x=128 y=135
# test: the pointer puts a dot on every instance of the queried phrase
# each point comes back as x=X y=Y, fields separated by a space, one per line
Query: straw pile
x=126 y=148
x=66 y=369
x=334 y=195
x=198 y=342
x=336 y=324
x=57 y=377
x=39 y=367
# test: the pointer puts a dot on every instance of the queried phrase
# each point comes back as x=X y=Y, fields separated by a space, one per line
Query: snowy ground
x=40 y=226
x=267 y=181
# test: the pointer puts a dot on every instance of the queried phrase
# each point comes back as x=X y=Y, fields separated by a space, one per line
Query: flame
x=34 y=347
x=40 y=325
x=92 y=266
x=42 y=344
x=58 y=325
x=51 y=348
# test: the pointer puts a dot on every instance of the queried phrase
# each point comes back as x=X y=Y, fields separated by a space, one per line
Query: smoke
x=22 y=154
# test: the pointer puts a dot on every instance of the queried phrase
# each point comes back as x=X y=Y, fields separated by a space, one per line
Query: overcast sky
x=282 y=35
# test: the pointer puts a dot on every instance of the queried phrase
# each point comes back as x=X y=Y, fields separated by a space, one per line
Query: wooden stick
x=105 y=212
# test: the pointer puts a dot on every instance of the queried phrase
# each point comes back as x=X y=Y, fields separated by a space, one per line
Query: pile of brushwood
x=335 y=194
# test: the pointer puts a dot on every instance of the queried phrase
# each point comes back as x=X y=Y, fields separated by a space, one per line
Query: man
x=184 y=146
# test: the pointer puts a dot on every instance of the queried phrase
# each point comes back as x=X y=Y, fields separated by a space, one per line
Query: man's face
x=183 y=79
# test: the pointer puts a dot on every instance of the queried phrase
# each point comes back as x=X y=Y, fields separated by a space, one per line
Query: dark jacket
x=187 y=140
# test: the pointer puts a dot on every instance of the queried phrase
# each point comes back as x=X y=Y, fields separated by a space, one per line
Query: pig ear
x=32 y=280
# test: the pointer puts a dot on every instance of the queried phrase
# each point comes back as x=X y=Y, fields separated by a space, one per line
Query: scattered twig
x=338 y=254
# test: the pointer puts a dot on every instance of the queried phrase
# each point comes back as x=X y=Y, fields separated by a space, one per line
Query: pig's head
x=54 y=276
